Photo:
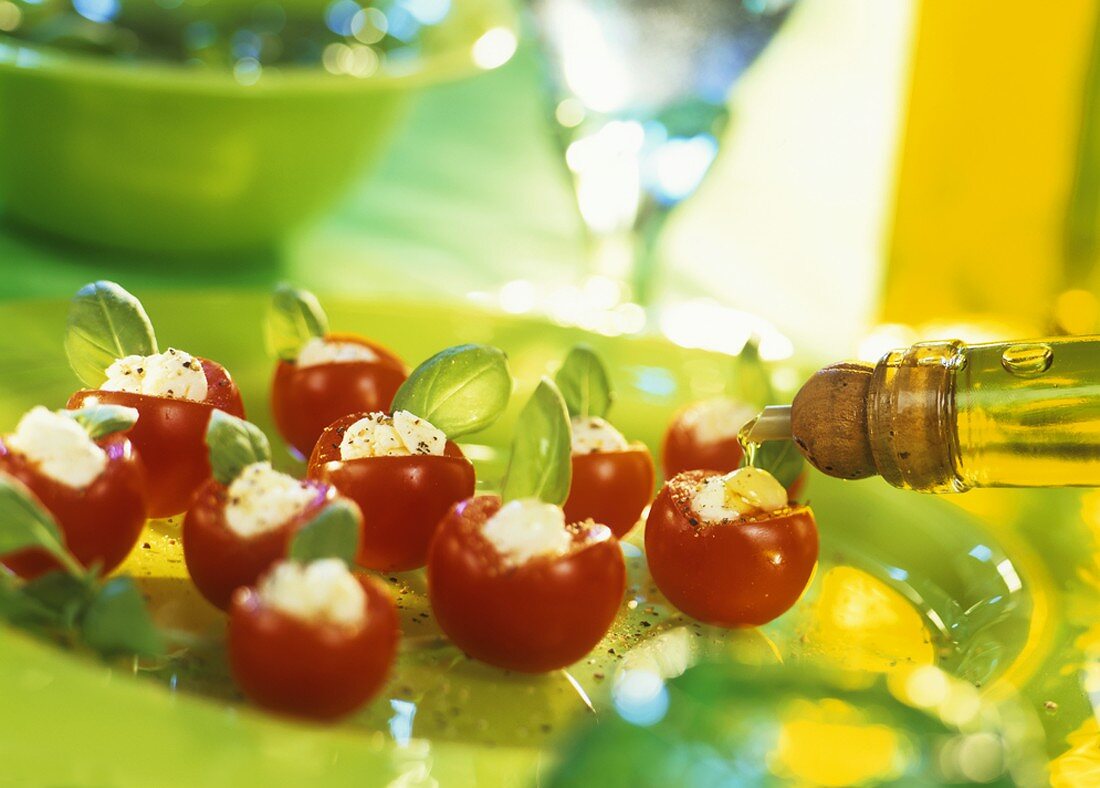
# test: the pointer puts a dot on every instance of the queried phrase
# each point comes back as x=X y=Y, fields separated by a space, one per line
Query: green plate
x=966 y=584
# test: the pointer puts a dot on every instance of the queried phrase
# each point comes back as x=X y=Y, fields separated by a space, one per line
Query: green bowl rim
x=449 y=63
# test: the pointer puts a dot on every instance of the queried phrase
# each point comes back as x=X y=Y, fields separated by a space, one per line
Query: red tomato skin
x=319 y=671
x=100 y=523
x=683 y=450
x=610 y=487
x=305 y=401
x=540 y=616
x=219 y=560
x=403 y=499
x=723 y=574
x=170 y=436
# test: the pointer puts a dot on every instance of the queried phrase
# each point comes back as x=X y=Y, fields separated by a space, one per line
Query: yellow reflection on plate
x=861 y=623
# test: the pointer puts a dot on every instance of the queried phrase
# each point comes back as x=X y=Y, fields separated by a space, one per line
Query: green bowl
x=159 y=158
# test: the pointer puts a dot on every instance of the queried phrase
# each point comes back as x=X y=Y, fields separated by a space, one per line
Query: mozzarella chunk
x=717 y=419
x=595 y=434
x=172 y=373
x=528 y=528
x=321 y=351
x=400 y=435
x=261 y=499
x=322 y=592
x=59 y=447
x=745 y=491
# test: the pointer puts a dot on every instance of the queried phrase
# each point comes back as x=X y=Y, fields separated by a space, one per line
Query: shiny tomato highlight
x=610 y=487
x=305 y=401
x=402 y=499
x=100 y=523
x=316 y=670
x=743 y=573
x=170 y=436
x=220 y=560
x=539 y=616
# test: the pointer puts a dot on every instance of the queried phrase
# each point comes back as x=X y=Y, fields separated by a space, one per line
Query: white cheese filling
x=722 y=499
x=59 y=447
x=322 y=351
x=322 y=592
x=594 y=434
x=172 y=373
x=261 y=499
x=528 y=528
x=717 y=419
x=400 y=435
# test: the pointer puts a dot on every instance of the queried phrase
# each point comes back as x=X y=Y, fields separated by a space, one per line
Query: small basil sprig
x=332 y=533
x=293 y=318
x=541 y=460
x=459 y=390
x=75 y=604
x=779 y=458
x=234 y=444
x=105 y=323
x=102 y=420
x=584 y=383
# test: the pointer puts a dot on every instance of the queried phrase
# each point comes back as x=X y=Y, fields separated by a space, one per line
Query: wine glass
x=639 y=92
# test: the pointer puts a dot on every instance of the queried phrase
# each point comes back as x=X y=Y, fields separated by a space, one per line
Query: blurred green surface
x=905 y=581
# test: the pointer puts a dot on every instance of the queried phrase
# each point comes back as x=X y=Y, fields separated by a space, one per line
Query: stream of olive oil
x=748 y=446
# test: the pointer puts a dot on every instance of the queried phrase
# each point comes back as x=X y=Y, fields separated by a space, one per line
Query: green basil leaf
x=103 y=420
x=459 y=390
x=584 y=383
x=117 y=621
x=752 y=381
x=332 y=533
x=541 y=464
x=779 y=458
x=24 y=523
x=61 y=593
x=234 y=444
x=19 y=608
x=105 y=324
x=293 y=318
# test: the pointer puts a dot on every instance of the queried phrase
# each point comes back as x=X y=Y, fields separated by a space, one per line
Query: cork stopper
x=829 y=421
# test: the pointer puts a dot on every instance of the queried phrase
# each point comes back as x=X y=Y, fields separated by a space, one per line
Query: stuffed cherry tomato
x=404 y=474
x=312 y=641
x=174 y=393
x=233 y=533
x=703 y=436
x=517 y=587
x=331 y=377
x=93 y=487
x=112 y=347
x=612 y=480
x=321 y=376
x=727 y=549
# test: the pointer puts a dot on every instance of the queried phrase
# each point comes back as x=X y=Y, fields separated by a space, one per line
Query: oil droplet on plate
x=1027 y=360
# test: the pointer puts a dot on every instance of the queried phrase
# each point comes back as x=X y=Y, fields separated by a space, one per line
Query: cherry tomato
x=170 y=436
x=305 y=401
x=402 y=498
x=220 y=560
x=610 y=487
x=743 y=573
x=322 y=670
x=100 y=522
x=538 y=616
x=688 y=446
